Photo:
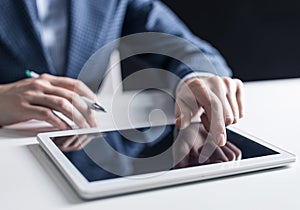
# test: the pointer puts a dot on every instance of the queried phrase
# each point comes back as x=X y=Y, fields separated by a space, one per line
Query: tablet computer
x=111 y=162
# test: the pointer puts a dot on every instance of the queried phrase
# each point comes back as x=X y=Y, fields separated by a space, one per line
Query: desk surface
x=29 y=180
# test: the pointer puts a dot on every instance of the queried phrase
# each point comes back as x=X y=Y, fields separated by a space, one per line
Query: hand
x=36 y=98
x=193 y=147
x=219 y=101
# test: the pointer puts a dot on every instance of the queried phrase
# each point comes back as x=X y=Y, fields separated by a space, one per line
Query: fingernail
x=221 y=139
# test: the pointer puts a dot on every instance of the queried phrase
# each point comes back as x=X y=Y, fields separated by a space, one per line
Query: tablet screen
x=108 y=155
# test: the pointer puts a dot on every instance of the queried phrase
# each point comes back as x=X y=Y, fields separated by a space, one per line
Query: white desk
x=28 y=180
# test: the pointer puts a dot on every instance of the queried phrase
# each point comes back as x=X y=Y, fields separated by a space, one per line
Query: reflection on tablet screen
x=100 y=156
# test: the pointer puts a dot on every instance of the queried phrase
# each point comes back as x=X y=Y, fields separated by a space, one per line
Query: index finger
x=71 y=84
x=217 y=123
x=213 y=109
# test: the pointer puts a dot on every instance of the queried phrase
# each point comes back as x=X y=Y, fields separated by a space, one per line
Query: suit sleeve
x=154 y=16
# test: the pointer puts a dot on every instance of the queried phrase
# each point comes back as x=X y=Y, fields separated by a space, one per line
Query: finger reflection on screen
x=73 y=143
x=112 y=154
x=198 y=148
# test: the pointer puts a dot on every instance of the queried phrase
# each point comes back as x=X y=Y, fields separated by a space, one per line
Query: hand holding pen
x=83 y=93
x=38 y=98
x=92 y=105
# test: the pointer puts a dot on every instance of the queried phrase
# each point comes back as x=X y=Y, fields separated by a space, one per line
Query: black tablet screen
x=107 y=155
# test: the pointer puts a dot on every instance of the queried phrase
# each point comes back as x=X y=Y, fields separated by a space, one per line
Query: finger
x=205 y=121
x=186 y=95
x=180 y=151
x=207 y=150
x=44 y=86
x=60 y=141
x=183 y=163
x=229 y=153
x=85 y=110
x=240 y=97
x=77 y=102
x=218 y=155
x=215 y=156
x=221 y=90
x=196 y=148
x=68 y=142
x=234 y=107
x=62 y=105
x=213 y=109
x=231 y=97
x=183 y=115
x=237 y=151
x=45 y=114
x=77 y=144
x=217 y=124
x=79 y=140
x=70 y=84
x=85 y=142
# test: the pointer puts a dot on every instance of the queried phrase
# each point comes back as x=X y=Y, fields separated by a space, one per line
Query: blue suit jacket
x=92 y=24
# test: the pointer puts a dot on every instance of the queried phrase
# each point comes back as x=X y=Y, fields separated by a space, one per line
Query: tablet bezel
x=104 y=188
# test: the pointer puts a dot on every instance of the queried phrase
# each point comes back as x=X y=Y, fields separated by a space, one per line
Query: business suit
x=92 y=24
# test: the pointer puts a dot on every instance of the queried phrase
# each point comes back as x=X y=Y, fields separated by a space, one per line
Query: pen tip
x=98 y=107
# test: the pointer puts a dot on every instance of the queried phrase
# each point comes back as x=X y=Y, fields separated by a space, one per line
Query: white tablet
x=99 y=164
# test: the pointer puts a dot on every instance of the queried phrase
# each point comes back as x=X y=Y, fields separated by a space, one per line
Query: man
x=57 y=37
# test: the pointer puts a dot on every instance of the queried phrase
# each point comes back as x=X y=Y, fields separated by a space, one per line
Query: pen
x=92 y=105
